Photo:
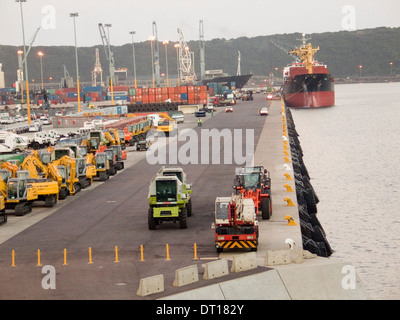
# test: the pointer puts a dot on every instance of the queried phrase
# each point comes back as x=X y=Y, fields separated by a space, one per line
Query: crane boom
x=108 y=52
x=202 y=51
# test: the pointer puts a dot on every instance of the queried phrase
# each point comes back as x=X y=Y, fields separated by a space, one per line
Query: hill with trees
x=342 y=51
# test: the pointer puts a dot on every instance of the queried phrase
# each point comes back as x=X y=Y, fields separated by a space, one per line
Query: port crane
x=109 y=53
x=97 y=70
x=202 y=50
x=156 y=55
x=186 y=58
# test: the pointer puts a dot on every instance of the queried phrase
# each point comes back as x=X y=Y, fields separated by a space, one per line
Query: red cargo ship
x=307 y=83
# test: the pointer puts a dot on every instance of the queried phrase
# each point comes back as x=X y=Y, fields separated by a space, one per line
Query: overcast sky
x=222 y=19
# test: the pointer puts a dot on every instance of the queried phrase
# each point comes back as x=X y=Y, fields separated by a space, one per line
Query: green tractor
x=169 y=200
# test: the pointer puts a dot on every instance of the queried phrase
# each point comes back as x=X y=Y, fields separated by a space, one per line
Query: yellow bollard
x=288 y=188
x=290 y=220
x=287 y=175
x=90 y=255
x=289 y=202
x=65 y=257
x=285 y=153
x=12 y=258
x=195 y=251
x=116 y=254
x=286 y=159
x=141 y=253
x=38 y=258
x=167 y=248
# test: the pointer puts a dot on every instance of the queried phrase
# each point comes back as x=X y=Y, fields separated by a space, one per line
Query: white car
x=178 y=117
x=263 y=111
x=46 y=121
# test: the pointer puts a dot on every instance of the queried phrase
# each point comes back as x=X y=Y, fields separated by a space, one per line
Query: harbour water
x=352 y=154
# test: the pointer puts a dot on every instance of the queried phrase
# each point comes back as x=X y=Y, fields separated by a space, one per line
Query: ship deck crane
x=186 y=57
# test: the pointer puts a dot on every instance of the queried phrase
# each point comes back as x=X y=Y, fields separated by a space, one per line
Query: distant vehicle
x=178 y=117
x=58 y=114
x=12 y=143
x=6 y=119
x=46 y=121
x=229 y=109
x=19 y=119
x=200 y=114
x=263 y=111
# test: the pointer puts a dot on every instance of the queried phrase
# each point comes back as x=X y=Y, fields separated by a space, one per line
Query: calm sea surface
x=352 y=153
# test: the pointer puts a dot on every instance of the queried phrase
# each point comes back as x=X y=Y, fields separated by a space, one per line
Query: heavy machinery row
x=53 y=173
x=235 y=218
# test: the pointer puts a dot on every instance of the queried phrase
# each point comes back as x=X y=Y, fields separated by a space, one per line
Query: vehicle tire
x=189 y=208
x=150 y=219
x=50 y=200
x=63 y=193
x=183 y=218
x=77 y=187
x=266 y=208
x=219 y=250
x=103 y=176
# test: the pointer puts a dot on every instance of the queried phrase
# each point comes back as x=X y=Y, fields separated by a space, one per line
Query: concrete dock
x=293 y=274
x=114 y=213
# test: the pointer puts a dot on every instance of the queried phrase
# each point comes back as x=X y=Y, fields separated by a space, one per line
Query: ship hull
x=240 y=81
x=309 y=90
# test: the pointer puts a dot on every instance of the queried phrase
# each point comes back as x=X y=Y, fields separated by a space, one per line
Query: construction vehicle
x=167 y=125
x=181 y=175
x=101 y=163
x=85 y=172
x=67 y=168
x=167 y=201
x=235 y=225
x=3 y=214
x=120 y=156
x=18 y=194
x=142 y=145
x=255 y=183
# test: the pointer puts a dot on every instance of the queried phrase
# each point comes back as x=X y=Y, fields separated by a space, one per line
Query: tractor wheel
x=266 y=208
x=189 y=208
x=150 y=219
x=183 y=218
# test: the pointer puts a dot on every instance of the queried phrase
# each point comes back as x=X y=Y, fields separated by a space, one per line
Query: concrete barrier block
x=277 y=257
x=186 y=276
x=296 y=255
x=151 y=285
x=215 y=269
x=244 y=262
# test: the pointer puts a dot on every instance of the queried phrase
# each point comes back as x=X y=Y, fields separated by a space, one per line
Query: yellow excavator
x=47 y=188
x=18 y=194
x=67 y=167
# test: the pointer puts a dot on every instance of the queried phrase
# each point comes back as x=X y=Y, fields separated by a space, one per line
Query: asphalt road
x=114 y=213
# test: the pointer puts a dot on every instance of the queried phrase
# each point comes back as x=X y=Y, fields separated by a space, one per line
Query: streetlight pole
x=74 y=15
x=28 y=106
x=133 y=54
x=391 y=65
x=360 y=67
x=166 y=58
x=41 y=54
